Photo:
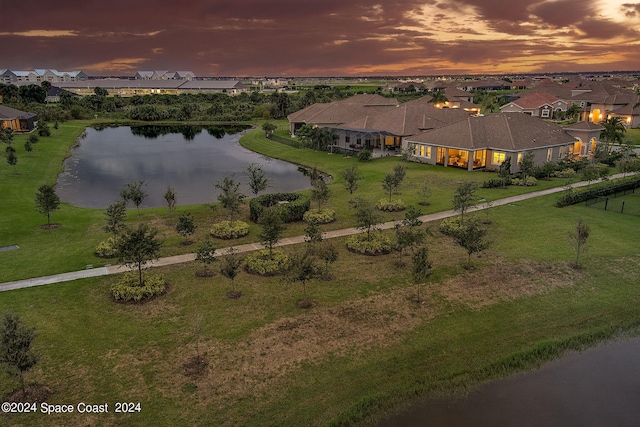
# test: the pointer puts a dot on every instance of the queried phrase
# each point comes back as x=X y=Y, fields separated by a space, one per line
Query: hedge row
x=572 y=197
x=293 y=207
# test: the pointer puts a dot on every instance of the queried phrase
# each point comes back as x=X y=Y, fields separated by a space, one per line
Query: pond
x=597 y=387
x=188 y=158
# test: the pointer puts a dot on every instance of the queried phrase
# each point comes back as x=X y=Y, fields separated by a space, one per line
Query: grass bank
x=362 y=351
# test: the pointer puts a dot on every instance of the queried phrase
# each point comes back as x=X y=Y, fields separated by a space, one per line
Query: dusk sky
x=321 y=37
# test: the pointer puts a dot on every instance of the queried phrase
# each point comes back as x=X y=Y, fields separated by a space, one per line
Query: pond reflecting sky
x=189 y=160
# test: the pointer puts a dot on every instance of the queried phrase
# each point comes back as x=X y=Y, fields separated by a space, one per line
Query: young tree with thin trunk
x=367 y=217
x=399 y=172
x=230 y=266
x=230 y=196
x=390 y=183
x=206 y=254
x=302 y=269
x=471 y=236
x=136 y=247
x=313 y=234
x=328 y=253
x=272 y=229
x=351 y=178
x=186 y=226
x=170 y=199
x=464 y=198
x=47 y=201
x=320 y=193
x=258 y=180
x=579 y=237
x=421 y=269
x=115 y=216
x=12 y=158
x=133 y=192
x=15 y=347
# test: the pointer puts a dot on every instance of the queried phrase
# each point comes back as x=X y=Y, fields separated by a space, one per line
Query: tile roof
x=346 y=110
x=409 y=119
x=501 y=131
x=536 y=100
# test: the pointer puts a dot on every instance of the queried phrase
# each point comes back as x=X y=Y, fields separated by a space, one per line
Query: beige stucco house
x=484 y=142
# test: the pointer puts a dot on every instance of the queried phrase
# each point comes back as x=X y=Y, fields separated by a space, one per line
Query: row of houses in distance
x=38 y=76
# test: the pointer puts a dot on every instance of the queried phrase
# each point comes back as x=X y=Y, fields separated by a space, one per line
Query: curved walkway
x=178 y=259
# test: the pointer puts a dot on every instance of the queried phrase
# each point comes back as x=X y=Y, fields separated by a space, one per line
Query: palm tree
x=613 y=132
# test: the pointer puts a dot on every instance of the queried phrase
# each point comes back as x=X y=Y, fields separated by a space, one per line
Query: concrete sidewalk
x=249 y=247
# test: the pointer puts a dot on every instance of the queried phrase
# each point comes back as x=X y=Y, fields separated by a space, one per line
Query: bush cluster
x=261 y=263
x=128 y=289
x=320 y=216
x=293 y=206
x=566 y=173
x=394 y=205
x=364 y=155
x=451 y=226
x=611 y=187
x=226 y=230
x=528 y=181
x=377 y=244
x=106 y=248
x=495 y=183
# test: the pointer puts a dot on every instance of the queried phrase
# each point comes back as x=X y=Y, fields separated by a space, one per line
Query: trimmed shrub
x=450 y=226
x=378 y=244
x=292 y=205
x=128 y=290
x=394 y=205
x=603 y=189
x=320 y=216
x=525 y=182
x=106 y=248
x=495 y=183
x=261 y=263
x=566 y=173
x=226 y=230
x=364 y=155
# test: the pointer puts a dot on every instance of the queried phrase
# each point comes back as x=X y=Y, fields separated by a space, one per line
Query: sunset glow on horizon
x=326 y=38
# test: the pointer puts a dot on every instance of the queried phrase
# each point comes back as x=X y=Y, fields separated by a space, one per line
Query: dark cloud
x=631 y=10
x=564 y=12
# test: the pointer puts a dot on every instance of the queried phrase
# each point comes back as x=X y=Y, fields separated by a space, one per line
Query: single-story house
x=16 y=120
x=384 y=132
x=484 y=142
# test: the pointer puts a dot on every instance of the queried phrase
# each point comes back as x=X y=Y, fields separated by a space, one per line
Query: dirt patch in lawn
x=503 y=281
x=257 y=362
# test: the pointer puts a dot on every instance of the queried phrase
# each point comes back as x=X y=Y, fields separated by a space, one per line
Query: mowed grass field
x=364 y=350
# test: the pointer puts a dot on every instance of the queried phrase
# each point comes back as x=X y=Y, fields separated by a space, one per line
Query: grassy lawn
x=365 y=349
x=633 y=135
x=362 y=350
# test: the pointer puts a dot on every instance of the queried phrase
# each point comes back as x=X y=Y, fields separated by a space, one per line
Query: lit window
x=498 y=157
x=549 y=154
x=422 y=151
x=519 y=158
x=561 y=153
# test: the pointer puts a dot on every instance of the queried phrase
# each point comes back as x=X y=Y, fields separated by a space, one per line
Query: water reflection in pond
x=598 y=387
x=188 y=158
